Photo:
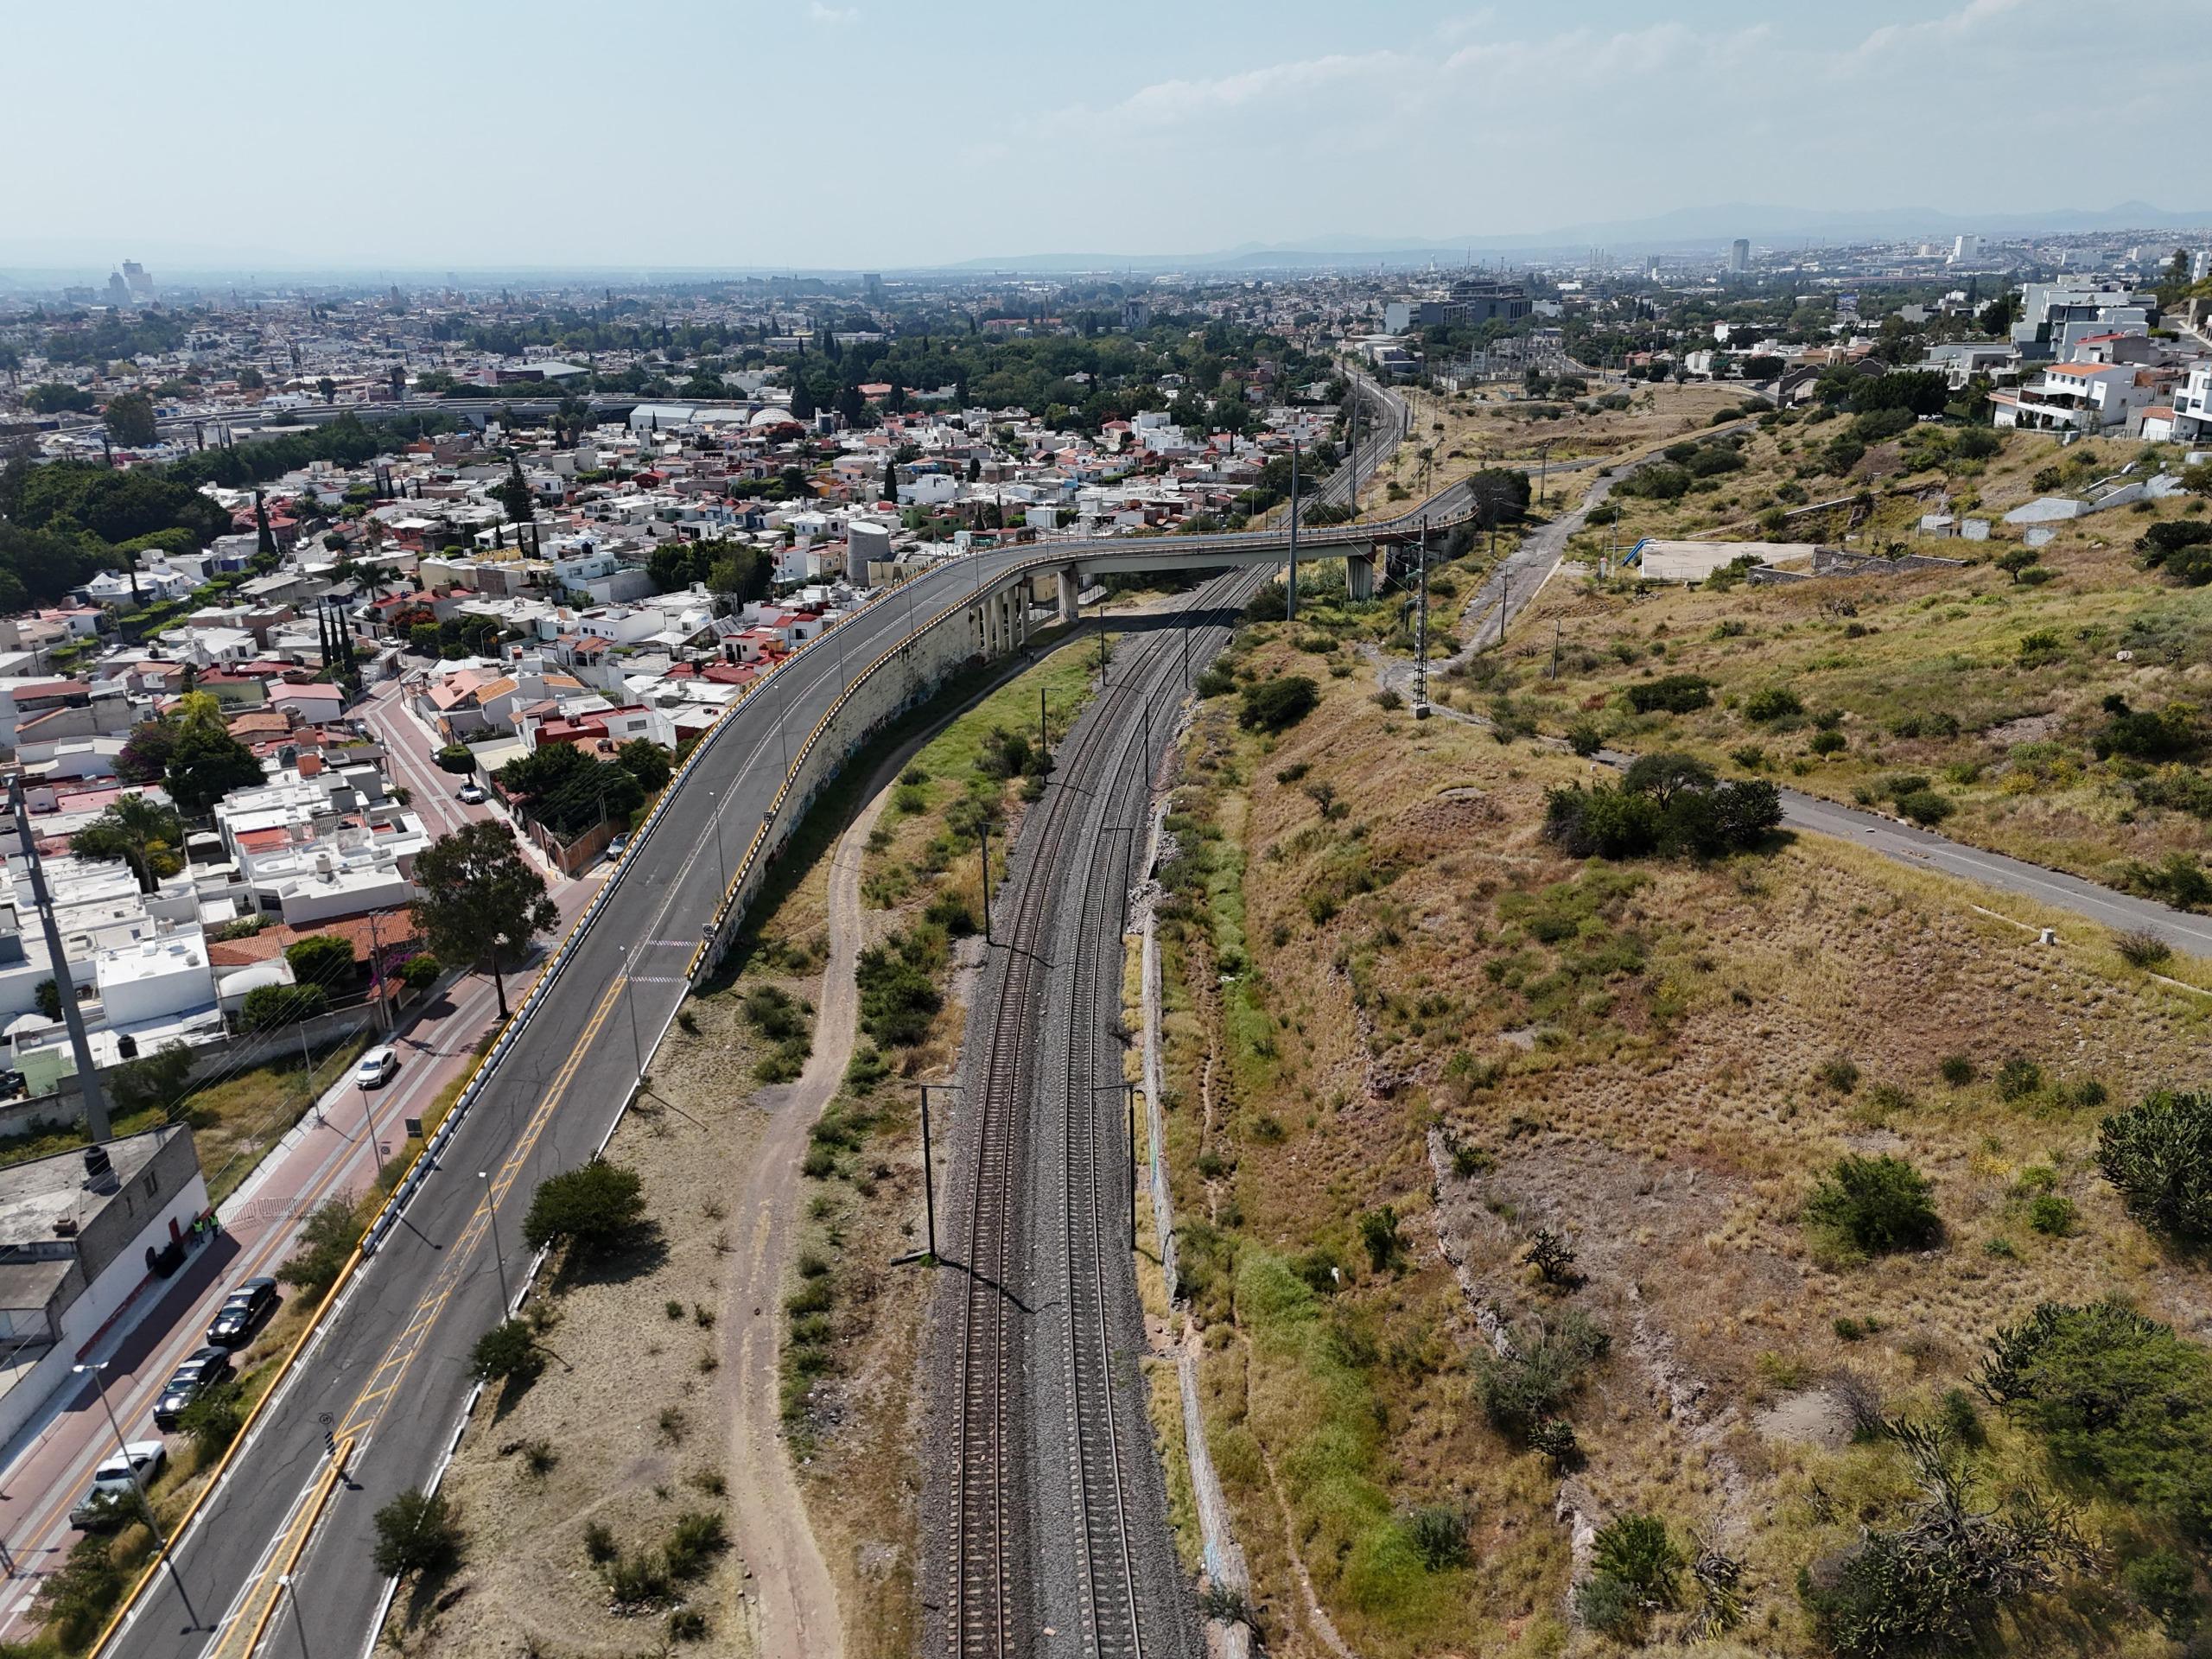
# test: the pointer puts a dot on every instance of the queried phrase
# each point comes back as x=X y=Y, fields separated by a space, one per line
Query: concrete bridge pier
x=1359 y=574
x=1070 y=595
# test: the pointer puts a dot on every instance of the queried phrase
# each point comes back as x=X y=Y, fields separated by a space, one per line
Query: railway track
x=1105 y=763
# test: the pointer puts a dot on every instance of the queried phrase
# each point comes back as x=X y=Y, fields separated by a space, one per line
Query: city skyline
x=1295 y=135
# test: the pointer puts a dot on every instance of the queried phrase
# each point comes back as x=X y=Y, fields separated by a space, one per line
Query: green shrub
x=1521 y=1392
x=2159 y=1158
x=1838 y=1073
x=1438 y=1534
x=2164 y=1585
x=2140 y=948
x=271 y=1007
x=1609 y=1607
x=898 y=996
x=333 y=1229
x=1874 y=1206
x=697 y=1538
x=1215 y=681
x=1278 y=704
x=2051 y=1215
x=1671 y=694
x=1584 y=738
x=1771 y=704
x=1378 y=1232
x=421 y=971
x=1827 y=742
x=2018 y=1077
x=1955 y=1070
x=214 y=1419
x=1636 y=1549
x=1925 y=807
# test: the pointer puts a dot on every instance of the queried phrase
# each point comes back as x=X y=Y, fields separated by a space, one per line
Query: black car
x=242 y=1310
x=203 y=1371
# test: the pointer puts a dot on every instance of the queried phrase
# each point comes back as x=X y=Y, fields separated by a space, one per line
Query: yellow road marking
x=258 y=1605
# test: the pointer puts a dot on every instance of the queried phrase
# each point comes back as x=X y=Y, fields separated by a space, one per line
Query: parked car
x=112 y=1497
x=473 y=794
x=245 y=1308
x=617 y=847
x=201 y=1372
x=377 y=1067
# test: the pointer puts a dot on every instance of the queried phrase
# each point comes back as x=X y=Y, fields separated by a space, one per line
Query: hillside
x=1408 y=1039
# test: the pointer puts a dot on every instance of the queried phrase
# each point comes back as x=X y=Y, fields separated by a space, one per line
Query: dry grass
x=2023 y=670
x=1648 y=1083
x=634 y=1419
x=1496 y=426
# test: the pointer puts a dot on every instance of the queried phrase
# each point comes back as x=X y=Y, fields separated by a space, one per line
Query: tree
x=2159 y=1158
x=456 y=758
x=214 y=1419
x=130 y=417
x=645 y=761
x=569 y=791
x=264 y=539
x=503 y=1351
x=2014 y=560
x=142 y=833
x=1663 y=776
x=416 y=1532
x=483 y=902
x=206 y=763
x=514 y=493
x=46 y=997
x=802 y=403
x=327 y=1240
x=329 y=388
x=593 y=1208
x=324 y=959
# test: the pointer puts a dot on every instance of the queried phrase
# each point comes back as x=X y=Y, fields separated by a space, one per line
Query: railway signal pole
x=984 y=838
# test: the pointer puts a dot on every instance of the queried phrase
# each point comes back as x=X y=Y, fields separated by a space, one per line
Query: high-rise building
x=1740 y=255
x=872 y=284
x=137 y=279
x=1965 y=247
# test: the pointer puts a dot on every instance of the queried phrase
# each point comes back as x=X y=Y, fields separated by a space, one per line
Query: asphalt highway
x=388 y=1369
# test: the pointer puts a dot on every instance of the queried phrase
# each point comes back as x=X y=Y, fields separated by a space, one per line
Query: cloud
x=835 y=16
x=1936 y=30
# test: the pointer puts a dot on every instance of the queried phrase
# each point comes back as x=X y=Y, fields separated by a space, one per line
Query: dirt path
x=794 y=1603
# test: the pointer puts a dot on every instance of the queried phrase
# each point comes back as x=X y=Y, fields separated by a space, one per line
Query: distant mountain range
x=1684 y=230
x=28 y=262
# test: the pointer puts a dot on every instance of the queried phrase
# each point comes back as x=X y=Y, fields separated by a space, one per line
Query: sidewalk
x=327 y=1153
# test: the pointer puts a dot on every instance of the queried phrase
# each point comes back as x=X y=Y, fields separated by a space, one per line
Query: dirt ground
x=1386 y=989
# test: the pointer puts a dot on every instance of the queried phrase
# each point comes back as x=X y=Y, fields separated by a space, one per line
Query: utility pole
x=929 y=1179
x=1504 y=606
x=146 y=1508
x=1421 y=632
x=1554 y=673
x=80 y=1049
x=983 y=836
x=1290 y=603
x=376 y=974
x=1044 y=733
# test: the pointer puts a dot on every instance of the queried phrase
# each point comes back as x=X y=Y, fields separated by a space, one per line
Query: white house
x=2078 y=398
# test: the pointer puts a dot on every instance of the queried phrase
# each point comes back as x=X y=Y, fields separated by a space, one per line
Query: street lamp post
x=492 y=1213
x=368 y=1120
x=291 y=1586
x=145 y=1505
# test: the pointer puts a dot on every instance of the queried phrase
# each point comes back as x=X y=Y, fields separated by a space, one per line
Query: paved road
x=389 y=1366
x=1511 y=590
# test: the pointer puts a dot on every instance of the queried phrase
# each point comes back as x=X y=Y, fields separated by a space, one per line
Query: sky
x=873 y=135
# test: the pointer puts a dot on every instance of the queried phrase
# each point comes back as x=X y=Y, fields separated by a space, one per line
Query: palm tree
x=142 y=833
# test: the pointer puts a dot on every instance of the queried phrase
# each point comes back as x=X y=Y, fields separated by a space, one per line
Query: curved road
x=388 y=1368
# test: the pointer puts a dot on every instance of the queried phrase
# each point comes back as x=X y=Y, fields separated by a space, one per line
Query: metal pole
x=1504 y=606
x=492 y=1213
x=1044 y=733
x=376 y=973
x=145 y=1505
x=369 y=1117
x=1131 y=1090
x=929 y=1182
x=983 y=836
x=88 y=1077
x=1420 y=629
x=1290 y=601
x=286 y=1583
